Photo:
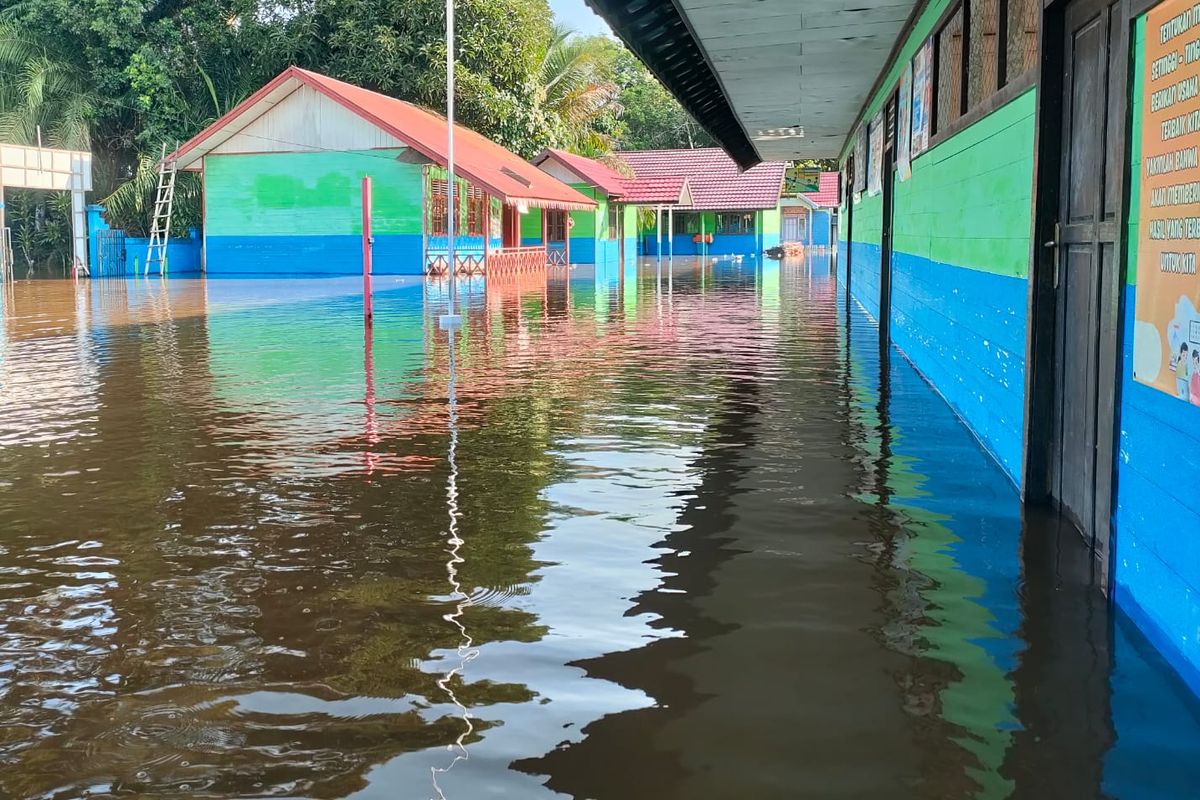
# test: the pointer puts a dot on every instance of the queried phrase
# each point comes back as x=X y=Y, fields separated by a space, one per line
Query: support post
x=703 y=243
x=670 y=233
x=566 y=238
x=367 y=243
x=658 y=232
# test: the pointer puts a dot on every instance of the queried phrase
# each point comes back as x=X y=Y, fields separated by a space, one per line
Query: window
x=437 y=207
x=735 y=222
x=614 y=221
x=556 y=225
x=477 y=211
x=1021 y=48
x=949 y=58
x=686 y=224
x=983 y=74
x=981 y=47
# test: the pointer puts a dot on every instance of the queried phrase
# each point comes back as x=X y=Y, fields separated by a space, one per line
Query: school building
x=1020 y=212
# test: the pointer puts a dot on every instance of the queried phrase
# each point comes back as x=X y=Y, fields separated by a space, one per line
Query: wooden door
x=885 y=241
x=1086 y=250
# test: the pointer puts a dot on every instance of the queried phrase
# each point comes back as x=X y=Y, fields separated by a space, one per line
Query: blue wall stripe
x=398 y=254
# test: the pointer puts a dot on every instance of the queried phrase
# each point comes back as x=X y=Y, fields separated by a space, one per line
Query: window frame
x=745 y=227
x=556 y=223
x=614 y=221
x=1007 y=87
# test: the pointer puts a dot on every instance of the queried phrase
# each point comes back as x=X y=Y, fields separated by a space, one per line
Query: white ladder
x=160 y=223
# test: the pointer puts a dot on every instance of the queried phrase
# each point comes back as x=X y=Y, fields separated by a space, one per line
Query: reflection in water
x=685 y=530
x=466 y=653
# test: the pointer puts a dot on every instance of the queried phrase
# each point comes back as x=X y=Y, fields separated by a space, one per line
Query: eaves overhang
x=661 y=37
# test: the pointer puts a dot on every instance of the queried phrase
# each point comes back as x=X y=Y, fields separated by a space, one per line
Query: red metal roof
x=826 y=195
x=665 y=190
x=484 y=163
x=714 y=179
x=597 y=173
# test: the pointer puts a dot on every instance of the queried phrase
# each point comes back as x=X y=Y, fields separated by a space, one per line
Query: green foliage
x=121 y=77
x=652 y=119
x=41 y=229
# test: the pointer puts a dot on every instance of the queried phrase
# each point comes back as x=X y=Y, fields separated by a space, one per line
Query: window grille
x=686 y=224
x=736 y=222
x=437 y=206
x=983 y=74
x=1022 y=44
x=556 y=225
x=949 y=72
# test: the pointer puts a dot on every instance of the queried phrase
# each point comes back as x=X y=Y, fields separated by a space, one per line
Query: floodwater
x=683 y=533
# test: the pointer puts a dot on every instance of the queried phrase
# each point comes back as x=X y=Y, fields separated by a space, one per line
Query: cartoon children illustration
x=1181 y=372
x=1195 y=382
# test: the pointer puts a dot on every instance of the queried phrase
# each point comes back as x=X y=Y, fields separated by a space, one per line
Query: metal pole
x=658 y=232
x=367 y=242
x=670 y=233
x=452 y=319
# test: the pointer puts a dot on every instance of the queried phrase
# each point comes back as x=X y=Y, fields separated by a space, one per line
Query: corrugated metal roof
x=827 y=195
x=484 y=163
x=714 y=180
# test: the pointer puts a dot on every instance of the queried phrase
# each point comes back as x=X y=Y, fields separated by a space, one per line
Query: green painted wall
x=771 y=220
x=531 y=224
x=310 y=194
x=969 y=201
x=868 y=219
x=585 y=221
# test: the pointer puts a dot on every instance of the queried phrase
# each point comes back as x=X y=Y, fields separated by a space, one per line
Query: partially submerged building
x=1019 y=213
x=732 y=211
x=697 y=201
x=282 y=179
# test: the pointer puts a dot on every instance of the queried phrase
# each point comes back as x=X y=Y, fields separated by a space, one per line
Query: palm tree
x=576 y=90
x=41 y=92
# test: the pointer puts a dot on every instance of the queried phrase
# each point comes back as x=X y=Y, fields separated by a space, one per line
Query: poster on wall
x=922 y=97
x=904 y=125
x=875 y=159
x=860 y=162
x=1166 y=338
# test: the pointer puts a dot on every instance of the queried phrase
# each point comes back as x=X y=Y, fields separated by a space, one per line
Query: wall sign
x=1166 y=340
x=860 y=161
x=875 y=175
x=904 y=124
x=922 y=98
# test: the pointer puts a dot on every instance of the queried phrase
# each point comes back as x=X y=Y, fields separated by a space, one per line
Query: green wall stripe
x=310 y=194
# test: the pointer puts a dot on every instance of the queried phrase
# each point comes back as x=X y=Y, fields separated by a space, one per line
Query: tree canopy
x=122 y=77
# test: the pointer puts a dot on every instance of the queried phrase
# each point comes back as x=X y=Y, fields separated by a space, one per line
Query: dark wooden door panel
x=1086 y=285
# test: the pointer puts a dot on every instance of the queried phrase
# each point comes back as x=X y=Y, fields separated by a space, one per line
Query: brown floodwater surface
x=687 y=532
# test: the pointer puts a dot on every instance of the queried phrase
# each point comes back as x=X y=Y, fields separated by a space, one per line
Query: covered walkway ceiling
x=770 y=79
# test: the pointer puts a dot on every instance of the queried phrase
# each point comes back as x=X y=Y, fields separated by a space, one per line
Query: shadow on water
x=680 y=531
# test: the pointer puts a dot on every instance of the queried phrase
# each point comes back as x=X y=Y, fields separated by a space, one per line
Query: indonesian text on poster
x=875 y=175
x=1167 y=329
x=922 y=99
x=860 y=161
x=904 y=125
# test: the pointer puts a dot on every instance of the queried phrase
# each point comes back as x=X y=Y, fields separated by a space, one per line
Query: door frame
x=1042 y=294
x=887 y=230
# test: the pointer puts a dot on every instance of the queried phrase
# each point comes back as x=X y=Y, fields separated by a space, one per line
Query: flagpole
x=452 y=319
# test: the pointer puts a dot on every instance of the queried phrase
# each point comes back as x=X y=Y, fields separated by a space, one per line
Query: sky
x=577 y=15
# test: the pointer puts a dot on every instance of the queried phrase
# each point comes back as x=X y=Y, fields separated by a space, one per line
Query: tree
x=576 y=91
x=652 y=118
x=398 y=47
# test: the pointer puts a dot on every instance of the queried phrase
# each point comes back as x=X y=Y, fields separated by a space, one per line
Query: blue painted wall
x=820 y=228
x=1157 y=547
x=722 y=245
x=311 y=255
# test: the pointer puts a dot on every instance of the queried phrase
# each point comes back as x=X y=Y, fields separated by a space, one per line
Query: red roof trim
x=568 y=198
